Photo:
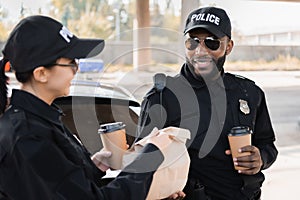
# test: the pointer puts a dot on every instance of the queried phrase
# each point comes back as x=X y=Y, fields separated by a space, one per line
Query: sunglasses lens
x=212 y=44
x=191 y=43
x=75 y=65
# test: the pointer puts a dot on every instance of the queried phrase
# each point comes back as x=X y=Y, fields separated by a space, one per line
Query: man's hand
x=253 y=161
x=100 y=159
x=177 y=195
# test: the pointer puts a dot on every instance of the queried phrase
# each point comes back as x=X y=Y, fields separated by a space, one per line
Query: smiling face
x=60 y=77
x=51 y=81
x=205 y=53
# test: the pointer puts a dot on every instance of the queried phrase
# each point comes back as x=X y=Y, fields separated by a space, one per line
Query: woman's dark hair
x=3 y=86
x=23 y=77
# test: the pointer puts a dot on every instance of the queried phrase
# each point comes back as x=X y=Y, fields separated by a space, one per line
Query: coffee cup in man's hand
x=239 y=137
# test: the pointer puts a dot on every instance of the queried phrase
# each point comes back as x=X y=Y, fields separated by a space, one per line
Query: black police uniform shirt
x=189 y=103
x=40 y=158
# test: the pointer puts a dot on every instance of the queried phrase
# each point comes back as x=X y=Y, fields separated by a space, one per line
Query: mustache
x=219 y=63
x=202 y=59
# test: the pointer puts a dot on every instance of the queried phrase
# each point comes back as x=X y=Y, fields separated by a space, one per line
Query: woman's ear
x=229 y=47
x=41 y=74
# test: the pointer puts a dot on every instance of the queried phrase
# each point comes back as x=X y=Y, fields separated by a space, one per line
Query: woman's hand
x=100 y=159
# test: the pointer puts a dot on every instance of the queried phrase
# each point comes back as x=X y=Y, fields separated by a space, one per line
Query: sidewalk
x=268 y=79
x=282 y=179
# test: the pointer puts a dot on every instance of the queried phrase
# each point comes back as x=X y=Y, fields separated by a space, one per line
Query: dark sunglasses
x=210 y=42
x=74 y=65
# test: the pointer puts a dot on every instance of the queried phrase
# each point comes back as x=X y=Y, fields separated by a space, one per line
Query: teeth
x=202 y=60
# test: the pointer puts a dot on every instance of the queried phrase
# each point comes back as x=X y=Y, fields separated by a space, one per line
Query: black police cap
x=40 y=40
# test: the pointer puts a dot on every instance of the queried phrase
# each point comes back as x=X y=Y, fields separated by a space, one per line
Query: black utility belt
x=195 y=190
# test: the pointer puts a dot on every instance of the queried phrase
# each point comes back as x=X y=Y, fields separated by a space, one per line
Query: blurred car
x=90 y=104
x=91 y=65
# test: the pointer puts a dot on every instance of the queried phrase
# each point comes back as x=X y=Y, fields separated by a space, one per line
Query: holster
x=194 y=190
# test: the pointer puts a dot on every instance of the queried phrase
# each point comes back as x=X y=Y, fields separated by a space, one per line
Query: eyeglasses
x=210 y=42
x=74 y=65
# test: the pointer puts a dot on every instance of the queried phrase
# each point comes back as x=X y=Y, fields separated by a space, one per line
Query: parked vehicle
x=91 y=65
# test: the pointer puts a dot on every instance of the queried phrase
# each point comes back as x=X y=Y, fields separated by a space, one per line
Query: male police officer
x=209 y=102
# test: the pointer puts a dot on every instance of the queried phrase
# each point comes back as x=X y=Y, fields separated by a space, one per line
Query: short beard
x=216 y=72
x=220 y=63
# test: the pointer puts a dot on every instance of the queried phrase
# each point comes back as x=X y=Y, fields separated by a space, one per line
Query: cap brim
x=210 y=29
x=85 y=48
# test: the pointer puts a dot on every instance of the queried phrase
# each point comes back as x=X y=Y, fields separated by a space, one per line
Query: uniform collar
x=229 y=81
x=199 y=83
x=36 y=106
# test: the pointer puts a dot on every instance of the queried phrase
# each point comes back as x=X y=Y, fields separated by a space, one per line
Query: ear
x=41 y=74
x=229 y=47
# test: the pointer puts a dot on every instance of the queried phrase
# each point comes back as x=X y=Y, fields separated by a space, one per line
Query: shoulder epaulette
x=240 y=77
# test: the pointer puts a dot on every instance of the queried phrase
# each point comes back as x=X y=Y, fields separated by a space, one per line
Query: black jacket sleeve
x=45 y=173
x=134 y=181
x=264 y=136
x=150 y=114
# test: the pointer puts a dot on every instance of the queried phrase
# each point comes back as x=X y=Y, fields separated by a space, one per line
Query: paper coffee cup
x=239 y=137
x=113 y=137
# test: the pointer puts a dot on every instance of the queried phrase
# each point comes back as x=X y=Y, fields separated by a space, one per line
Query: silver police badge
x=244 y=106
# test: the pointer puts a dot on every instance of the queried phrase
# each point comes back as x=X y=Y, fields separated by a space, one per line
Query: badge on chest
x=244 y=106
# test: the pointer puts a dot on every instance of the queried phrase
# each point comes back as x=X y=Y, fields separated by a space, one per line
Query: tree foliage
x=3 y=28
x=3 y=32
x=97 y=18
x=88 y=18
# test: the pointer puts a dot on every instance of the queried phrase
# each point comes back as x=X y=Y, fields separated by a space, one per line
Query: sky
x=247 y=16
x=250 y=16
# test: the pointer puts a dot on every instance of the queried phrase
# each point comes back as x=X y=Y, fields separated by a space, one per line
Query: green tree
x=3 y=32
x=3 y=28
x=87 y=18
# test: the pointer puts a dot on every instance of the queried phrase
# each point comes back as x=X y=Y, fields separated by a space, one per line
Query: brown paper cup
x=238 y=138
x=114 y=140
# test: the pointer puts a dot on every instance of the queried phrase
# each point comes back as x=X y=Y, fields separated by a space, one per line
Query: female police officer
x=39 y=157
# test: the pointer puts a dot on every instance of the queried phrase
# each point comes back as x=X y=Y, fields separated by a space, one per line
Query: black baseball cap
x=40 y=40
x=213 y=19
